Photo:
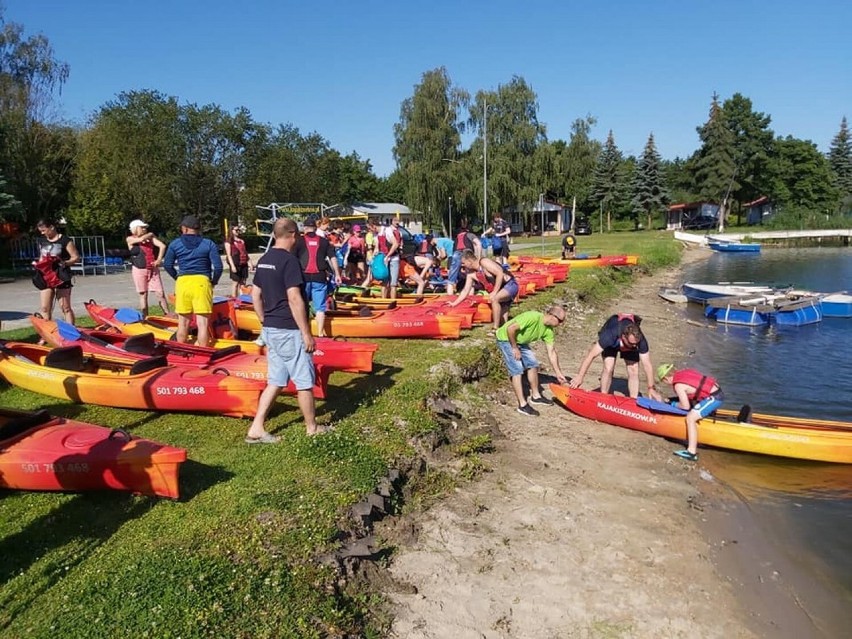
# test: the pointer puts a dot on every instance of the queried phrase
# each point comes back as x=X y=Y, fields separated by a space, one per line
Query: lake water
x=804 y=371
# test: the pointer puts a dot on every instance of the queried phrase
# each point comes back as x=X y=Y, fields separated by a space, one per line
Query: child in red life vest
x=697 y=393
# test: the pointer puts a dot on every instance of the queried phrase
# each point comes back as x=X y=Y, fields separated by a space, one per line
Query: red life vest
x=487 y=280
x=462 y=241
x=384 y=247
x=147 y=249
x=238 y=252
x=702 y=384
x=357 y=245
x=48 y=267
x=424 y=248
x=312 y=243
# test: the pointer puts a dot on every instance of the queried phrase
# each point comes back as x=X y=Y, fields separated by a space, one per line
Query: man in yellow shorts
x=199 y=268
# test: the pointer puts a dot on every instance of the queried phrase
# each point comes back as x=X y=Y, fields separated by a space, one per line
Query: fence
x=93 y=256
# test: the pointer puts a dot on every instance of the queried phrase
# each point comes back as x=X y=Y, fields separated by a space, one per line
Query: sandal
x=268 y=438
x=685 y=454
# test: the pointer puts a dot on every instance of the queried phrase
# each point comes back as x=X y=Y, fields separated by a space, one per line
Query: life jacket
x=423 y=245
x=702 y=384
x=223 y=320
x=47 y=273
x=487 y=280
x=384 y=247
x=142 y=254
x=313 y=243
x=357 y=245
x=238 y=252
x=462 y=241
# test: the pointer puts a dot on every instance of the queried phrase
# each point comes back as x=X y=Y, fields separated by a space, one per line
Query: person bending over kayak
x=485 y=273
x=697 y=393
x=621 y=334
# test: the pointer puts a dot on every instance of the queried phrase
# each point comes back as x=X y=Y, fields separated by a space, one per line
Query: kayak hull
x=66 y=455
x=828 y=441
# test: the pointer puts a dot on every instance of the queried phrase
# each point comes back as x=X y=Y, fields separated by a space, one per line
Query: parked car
x=582 y=226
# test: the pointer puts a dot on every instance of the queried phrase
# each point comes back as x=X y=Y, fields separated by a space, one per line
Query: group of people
x=697 y=394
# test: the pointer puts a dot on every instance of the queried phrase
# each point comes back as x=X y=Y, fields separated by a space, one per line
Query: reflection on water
x=803 y=371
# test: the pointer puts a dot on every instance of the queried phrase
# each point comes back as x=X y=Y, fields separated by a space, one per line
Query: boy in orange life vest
x=621 y=334
x=316 y=257
x=696 y=393
x=146 y=254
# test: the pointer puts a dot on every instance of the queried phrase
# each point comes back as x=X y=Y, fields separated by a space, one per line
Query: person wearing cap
x=514 y=339
x=237 y=256
x=697 y=393
x=355 y=256
x=146 y=255
x=621 y=335
x=317 y=258
x=199 y=268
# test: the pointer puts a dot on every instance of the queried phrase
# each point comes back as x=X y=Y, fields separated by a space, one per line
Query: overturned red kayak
x=41 y=452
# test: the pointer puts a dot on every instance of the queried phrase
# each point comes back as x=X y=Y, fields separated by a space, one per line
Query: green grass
x=238 y=554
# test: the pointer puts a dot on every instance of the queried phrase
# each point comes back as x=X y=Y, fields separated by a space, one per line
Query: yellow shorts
x=193 y=294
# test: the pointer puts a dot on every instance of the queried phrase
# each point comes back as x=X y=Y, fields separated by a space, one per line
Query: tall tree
x=427 y=140
x=753 y=141
x=609 y=178
x=649 y=192
x=713 y=165
x=37 y=155
x=840 y=160
x=577 y=164
x=10 y=208
x=801 y=177
x=513 y=135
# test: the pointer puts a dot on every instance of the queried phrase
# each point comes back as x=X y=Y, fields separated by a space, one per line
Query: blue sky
x=343 y=68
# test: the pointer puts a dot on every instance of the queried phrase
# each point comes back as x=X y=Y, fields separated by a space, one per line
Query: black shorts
x=355 y=258
x=241 y=274
x=631 y=357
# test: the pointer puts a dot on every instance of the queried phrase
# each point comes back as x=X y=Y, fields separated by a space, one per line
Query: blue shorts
x=516 y=367
x=287 y=359
x=455 y=268
x=393 y=269
x=317 y=294
x=708 y=404
x=511 y=287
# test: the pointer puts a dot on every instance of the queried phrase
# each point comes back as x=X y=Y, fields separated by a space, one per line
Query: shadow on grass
x=358 y=389
x=196 y=477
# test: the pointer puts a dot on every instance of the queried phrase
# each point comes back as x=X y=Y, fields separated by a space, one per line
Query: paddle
x=70 y=332
x=659 y=407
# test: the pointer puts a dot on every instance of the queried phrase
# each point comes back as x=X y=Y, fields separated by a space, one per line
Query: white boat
x=837 y=305
x=700 y=293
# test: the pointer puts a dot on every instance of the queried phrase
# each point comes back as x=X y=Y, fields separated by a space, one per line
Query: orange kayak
x=335 y=354
x=147 y=384
x=40 y=452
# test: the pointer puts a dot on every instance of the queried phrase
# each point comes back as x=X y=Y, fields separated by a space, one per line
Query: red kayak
x=40 y=452
x=334 y=354
x=142 y=346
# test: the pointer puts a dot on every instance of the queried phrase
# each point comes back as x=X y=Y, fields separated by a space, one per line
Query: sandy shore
x=586 y=530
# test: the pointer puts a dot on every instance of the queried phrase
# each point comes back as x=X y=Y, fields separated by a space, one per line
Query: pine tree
x=713 y=166
x=649 y=191
x=840 y=160
x=608 y=177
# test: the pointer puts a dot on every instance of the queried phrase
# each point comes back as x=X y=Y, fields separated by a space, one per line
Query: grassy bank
x=246 y=550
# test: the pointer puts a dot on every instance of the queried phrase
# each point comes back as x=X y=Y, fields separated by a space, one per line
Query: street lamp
x=484 y=162
x=450 y=216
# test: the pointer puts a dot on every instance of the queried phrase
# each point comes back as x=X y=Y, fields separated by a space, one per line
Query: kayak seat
x=23 y=423
x=225 y=352
x=142 y=344
x=145 y=365
x=744 y=416
x=67 y=358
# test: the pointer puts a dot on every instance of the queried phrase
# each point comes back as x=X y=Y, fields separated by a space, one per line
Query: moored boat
x=818 y=440
x=700 y=293
x=41 y=452
x=730 y=310
x=837 y=305
x=734 y=247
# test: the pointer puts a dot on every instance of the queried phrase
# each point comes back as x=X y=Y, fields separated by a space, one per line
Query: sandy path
x=580 y=530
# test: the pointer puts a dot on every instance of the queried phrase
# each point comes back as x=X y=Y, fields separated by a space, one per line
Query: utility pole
x=450 y=216
x=485 y=162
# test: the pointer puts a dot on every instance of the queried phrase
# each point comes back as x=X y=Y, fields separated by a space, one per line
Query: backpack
x=380 y=269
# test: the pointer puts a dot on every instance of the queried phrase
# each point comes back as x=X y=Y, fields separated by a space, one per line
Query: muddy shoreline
x=584 y=530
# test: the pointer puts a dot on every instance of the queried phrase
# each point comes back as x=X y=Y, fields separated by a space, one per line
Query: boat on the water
x=147 y=384
x=781 y=436
x=42 y=452
x=730 y=310
x=734 y=247
x=700 y=293
x=836 y=305
x=787 y=308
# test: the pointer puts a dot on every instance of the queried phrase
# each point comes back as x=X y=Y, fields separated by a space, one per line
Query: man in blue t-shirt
x=276 y=295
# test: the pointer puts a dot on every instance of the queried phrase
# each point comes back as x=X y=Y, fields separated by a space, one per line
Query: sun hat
x=663 y=370
x=135 y=224
x=190 y=222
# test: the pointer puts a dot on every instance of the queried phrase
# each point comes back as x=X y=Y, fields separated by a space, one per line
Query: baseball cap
x=190 y=222
x=135 y=224
x=356 y=228
x=663 y=370
x=310 y=222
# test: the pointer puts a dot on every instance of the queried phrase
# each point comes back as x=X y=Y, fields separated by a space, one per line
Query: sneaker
x=259 y=341
x=528 y=410
x=685 y=454
x=541 y=401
